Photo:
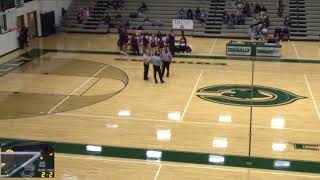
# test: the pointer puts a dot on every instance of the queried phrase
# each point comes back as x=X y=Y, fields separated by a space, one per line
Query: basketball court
x=74 y=90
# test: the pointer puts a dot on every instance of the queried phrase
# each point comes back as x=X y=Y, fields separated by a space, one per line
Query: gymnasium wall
x=8 y=41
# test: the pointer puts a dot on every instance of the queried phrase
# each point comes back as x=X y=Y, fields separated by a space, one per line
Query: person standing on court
x=166 y=58
x=155 y=59
x=146 y=61
x=134 y=45
x=171 y=42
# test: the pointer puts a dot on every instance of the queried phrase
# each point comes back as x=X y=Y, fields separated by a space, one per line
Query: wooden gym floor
x=90 y=97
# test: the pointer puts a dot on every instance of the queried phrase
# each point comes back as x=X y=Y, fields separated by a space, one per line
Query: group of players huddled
x=156 y=49
x=139 y=42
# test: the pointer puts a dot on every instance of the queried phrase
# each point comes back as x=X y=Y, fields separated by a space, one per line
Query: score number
x=47 y=174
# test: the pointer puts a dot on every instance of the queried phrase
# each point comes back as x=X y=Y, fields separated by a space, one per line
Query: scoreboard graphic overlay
x=26 y=159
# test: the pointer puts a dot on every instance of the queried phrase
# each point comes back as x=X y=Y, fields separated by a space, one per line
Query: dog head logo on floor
x=247 y=95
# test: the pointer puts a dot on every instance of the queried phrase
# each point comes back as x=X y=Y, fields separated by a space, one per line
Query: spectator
x=86 y=13
x=146 y=20
x=278 y=33
x=247 y=10
x=115 y=4
x=79 y=18
x=106 y=19
x=140 y=27
x=285 y=33
x=232 y=21
x=203 y=16
x=158 y=36
x=263 y=8
x=134 y=45
x=156 y=23
x=252 y=6
x=271 y=39
x=240 y=19
x=264 y=30
x=127 y=24
x=287 y=21
x=182 y=44
x=257 y=9
x=239 y=6
x=251 y=32
x=280 y=8
x=189 y=14
x=160 y=45
x=171 y=42
x=197 y=11
x=226 y=18
x=181 y=14
x=142 y=8
x=23 y=37
x=145 y=41
x=153 y=44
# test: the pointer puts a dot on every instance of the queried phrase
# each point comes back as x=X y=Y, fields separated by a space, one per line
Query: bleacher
x=93 y=24
x=272 y=12
x=161 y=13
x=304 y=14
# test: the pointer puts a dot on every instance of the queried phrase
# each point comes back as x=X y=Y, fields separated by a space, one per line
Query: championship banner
x=182 y=24
x=268 y=51
x=239 y=50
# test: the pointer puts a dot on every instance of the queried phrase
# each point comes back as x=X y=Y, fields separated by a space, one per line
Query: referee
x=166 y=58
x=156 y=67
x=146 y=61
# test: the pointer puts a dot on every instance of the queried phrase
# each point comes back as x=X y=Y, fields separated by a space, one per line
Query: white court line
x=214 y=43
x=156 y=176
x=184 y=122
x=73 y=92
x=182 y=165
x=194 y=89
x=295 y=49
x=314 y=101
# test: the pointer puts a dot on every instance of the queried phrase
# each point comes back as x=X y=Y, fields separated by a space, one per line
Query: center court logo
x=245 y=95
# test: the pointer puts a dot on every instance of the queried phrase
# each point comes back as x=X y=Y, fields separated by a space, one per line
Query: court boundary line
x=183 y=122
x=76 y=90
x=185 y=165
x=191 y=96
x=157 y=174
x=313 y=99
x=295 y=49
x=213 y=44
x=194 y=56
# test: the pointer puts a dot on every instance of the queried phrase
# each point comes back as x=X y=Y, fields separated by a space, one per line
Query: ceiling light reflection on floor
x=279 y=147
x=164 y=135
x=225 y=119
x=277 y=123
x=220 y=142
x=124 y=113
x=175 y=116
x=112 y=126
